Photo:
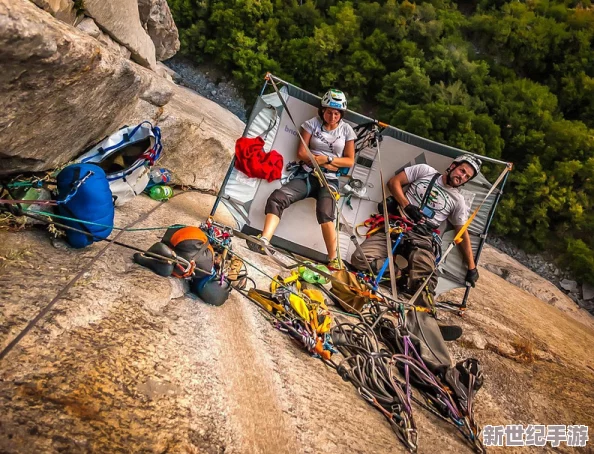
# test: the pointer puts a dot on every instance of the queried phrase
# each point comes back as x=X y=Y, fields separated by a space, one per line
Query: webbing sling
x=390 y=257
x=428 y=191
x=319 y=174
x=391 y=253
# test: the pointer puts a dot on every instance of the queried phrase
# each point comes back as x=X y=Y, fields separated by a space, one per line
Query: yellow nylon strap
x=458 y=237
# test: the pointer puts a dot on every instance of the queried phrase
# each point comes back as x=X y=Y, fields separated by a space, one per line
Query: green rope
x=344 y=313
x=21 y=184
x=45 y=213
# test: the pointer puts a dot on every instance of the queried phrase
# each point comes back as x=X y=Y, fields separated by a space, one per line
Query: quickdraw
x=182 y=272
x=376 y=223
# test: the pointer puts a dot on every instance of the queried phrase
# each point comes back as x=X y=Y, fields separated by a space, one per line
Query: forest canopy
x=510 y=80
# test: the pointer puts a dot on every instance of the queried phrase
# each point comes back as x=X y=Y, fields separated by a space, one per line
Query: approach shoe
x=253 y=246
x=335 y=265
x=236 y=273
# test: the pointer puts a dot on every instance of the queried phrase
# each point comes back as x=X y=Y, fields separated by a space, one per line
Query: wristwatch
x=330 y=159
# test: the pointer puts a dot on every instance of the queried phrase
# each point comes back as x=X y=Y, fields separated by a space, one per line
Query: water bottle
x=160 y=175
x=161 y=192
x=311 y=276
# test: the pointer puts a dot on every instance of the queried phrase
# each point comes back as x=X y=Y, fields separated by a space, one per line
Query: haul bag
x=353 y=296
x=83 y=193
x=126 y=156
x=192 y=244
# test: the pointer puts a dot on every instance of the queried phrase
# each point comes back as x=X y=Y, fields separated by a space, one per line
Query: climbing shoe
x=253 y=246
x=335 y=264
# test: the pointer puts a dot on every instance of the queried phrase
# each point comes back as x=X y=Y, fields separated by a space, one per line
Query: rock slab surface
x=127 y=363
x=157 y=20
x=121 y=20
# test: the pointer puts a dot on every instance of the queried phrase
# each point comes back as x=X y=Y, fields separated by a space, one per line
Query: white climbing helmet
x=334 y=99
x=471 y=160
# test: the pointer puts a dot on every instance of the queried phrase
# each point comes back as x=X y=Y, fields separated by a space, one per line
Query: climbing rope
x=379 y=357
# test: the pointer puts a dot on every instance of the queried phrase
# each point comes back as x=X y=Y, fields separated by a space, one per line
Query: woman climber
x=332 y=144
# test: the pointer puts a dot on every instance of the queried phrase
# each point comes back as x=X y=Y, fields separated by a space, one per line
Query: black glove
x=472 y=276
x=391 y=204
x=413 y=212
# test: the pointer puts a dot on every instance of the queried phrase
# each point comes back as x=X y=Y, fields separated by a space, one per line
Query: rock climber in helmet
x=332 y=143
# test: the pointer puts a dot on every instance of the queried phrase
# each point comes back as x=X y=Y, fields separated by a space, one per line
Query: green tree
x=511 y=80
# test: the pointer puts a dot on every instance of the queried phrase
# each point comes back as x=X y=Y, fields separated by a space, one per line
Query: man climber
x=430 y=199
x=427 y=209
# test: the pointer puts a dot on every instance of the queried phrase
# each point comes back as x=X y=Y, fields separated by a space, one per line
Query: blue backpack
x=83 y=193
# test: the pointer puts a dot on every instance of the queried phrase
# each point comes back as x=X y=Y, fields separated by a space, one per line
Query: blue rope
x=385 y=265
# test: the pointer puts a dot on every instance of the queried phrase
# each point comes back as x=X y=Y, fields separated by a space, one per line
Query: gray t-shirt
x=447 y=202
x=328 y=143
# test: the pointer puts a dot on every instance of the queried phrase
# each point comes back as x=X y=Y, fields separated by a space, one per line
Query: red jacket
x=251 y=159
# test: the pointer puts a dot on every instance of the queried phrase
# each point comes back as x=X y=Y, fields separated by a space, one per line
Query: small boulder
x=63 y=10
x=569 y=286
x=156 y=19
x=89 y=26
x=121 y=20
x=587 y=291
x=159 y=92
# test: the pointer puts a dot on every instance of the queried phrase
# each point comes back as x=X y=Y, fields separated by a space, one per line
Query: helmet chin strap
x=449 y=176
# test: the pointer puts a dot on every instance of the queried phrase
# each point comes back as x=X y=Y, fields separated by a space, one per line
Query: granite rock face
x=61 y=90
x=64 y=91
x=121 y=20
x=198 y=135
x=157 y=20
x=89 y=26
x=128 y=361
x=63 y=10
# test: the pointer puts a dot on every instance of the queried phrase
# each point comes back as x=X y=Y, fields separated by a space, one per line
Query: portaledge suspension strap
x=390 y=257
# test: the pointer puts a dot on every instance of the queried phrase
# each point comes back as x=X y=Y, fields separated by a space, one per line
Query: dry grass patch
x=16 y=257
x=523 y=351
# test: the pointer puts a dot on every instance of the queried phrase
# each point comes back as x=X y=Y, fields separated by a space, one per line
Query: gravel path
x=209 y=82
